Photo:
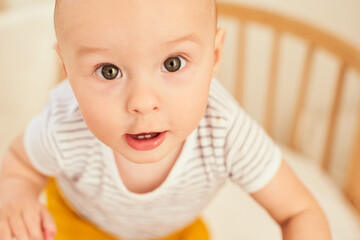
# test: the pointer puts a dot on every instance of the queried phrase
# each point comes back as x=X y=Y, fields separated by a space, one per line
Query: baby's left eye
x=173 y=64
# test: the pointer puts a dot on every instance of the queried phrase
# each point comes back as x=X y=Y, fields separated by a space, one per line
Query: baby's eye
x=108 y=72
x=173 y=64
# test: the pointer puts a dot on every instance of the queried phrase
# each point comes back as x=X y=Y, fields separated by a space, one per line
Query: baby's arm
x=293 y=207
x=21 y=214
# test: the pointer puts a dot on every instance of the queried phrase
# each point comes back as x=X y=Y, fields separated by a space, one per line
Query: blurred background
x=29 y=69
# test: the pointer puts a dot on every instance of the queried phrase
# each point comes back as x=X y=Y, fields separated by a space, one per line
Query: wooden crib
x=314 y=40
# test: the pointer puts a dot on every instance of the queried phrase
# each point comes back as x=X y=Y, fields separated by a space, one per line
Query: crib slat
x=273 y=77
x=351 y=186
x=304 y=85
x=2 y=5
x=333 y=117
x=240 y=58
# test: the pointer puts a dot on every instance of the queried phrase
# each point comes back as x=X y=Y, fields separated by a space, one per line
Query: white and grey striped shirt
x=226 y=144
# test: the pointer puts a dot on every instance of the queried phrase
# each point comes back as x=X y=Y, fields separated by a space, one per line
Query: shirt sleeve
x=39 y=142
x=253 y=158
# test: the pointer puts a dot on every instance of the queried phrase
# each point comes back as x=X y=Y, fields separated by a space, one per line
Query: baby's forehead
x=207 y=5
x=66 y=9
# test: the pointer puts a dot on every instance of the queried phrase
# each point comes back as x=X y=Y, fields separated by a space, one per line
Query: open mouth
x=142 y=136
x=145 y=141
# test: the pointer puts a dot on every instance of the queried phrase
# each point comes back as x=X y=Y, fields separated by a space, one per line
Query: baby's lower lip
x=145 y=144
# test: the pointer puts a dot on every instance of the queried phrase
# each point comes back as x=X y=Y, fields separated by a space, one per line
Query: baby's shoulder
x=62 y=105
x=70 y=137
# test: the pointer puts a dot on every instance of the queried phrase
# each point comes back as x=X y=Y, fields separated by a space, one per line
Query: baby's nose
x=143 y=101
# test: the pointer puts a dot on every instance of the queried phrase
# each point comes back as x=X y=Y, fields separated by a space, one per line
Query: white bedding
x=234 y=215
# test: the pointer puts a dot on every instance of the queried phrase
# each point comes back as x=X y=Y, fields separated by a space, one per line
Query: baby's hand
x=26 y=220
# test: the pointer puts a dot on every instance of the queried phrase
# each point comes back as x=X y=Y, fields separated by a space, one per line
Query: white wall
x=23 y=3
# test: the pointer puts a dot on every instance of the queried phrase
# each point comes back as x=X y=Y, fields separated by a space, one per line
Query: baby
x=140 y=136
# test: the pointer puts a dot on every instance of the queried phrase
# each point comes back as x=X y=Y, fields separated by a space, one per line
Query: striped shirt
x=227 y=143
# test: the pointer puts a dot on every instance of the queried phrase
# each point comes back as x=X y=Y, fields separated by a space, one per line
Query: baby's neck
x=143 y=178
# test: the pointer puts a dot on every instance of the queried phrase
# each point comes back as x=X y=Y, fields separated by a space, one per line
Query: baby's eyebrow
x=190 y=37
x=83 y=50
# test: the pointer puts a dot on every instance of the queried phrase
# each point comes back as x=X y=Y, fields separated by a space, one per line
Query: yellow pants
x=70 y=226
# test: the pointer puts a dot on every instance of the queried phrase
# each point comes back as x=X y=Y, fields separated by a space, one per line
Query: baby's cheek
x=189 y=114
x=99 y=118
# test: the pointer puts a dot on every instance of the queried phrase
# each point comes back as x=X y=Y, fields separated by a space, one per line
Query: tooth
x=140 y=137
x=148 y=135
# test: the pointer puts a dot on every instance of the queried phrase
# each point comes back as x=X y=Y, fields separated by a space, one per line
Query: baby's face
x=140 y=70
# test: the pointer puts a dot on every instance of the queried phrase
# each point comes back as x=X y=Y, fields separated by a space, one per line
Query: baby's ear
x=57 y=50
x=219 y=46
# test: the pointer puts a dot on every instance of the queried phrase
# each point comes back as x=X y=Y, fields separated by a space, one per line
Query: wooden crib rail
x=315 y=38
x=352 y=184
x=2 y=5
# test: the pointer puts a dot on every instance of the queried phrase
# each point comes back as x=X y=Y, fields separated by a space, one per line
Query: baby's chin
x=144 y=161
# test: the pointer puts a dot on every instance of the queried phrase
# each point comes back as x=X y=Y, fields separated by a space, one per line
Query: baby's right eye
x=108 y=72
